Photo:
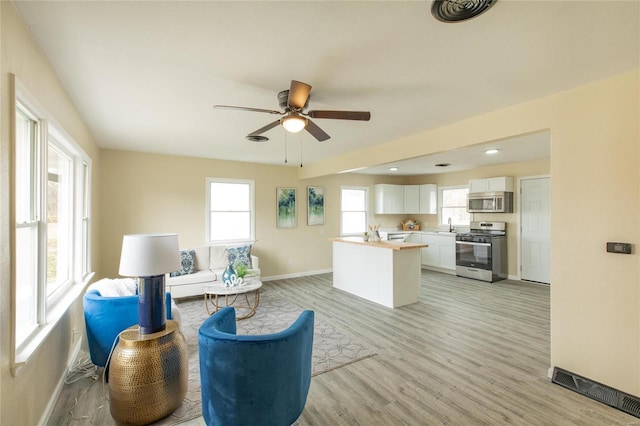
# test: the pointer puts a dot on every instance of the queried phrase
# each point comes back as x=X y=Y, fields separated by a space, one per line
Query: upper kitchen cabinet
x=405 y=199
x=495 y=184
x=428 y=199
x=389 y=199
x=411 y=199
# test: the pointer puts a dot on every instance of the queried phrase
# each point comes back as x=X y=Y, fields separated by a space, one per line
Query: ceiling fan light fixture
x=293 y=123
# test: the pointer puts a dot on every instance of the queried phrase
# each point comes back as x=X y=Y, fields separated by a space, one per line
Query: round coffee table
x=213 y=297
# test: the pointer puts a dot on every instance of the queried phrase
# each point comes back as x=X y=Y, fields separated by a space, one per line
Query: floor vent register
x=594 y=390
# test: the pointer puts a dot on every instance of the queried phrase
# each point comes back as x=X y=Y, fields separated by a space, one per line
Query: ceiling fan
x=294 y=102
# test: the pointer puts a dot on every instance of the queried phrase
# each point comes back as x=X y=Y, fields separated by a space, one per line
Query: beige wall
x=595 y=198
x=159 y=193
x=24 y=398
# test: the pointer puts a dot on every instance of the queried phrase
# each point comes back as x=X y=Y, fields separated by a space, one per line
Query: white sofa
x=210 y=263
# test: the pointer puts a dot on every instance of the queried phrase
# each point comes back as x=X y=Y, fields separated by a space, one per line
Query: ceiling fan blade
x=265 y=128
x=341 y=115
x=269 y=111
x=316 y=131
x=298 y=94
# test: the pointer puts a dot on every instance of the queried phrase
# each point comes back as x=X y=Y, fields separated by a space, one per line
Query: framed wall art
x=286 y=202
x=315 y=205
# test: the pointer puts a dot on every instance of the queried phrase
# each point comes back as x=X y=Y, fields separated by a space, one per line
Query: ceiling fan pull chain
x=285 y=147
x=301 y=152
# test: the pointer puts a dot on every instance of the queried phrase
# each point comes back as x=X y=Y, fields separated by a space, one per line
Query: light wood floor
x=468 y=353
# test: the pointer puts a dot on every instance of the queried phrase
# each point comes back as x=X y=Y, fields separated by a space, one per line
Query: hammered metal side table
x=148 y=375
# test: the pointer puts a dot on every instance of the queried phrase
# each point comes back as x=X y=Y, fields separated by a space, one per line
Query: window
x=453 y=204
x=59 y=217
x=231 y=212
x=354 y=202
x=26 y=233
x=52 y=233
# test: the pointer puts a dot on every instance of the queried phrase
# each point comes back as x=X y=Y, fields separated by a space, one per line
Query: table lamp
x=149 y=367
x=149 y=257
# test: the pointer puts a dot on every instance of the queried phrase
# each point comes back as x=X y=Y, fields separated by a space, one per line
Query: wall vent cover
x=594 y=390
x=459 y=10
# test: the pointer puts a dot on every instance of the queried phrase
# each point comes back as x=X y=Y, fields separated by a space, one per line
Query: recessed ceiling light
x=393 y=169
x=491 y=151
x=443 y=164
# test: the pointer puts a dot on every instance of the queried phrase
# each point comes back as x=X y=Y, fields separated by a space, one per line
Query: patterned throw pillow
x=187 y=263
x=240 y=255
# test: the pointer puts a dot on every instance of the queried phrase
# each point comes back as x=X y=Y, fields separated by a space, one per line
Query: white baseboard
x=58 y=390
x=296 y=275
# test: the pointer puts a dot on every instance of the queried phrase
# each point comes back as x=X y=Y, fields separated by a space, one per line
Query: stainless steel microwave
x=490 y=202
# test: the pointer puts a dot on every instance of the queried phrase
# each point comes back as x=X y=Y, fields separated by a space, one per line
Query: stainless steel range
x=482 y=253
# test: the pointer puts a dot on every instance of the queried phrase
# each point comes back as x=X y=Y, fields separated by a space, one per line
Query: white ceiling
x=535 y=146
x=145 y=75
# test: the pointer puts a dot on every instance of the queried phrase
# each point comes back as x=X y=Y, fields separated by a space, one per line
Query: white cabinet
x=414 y=238
x=429 y=254
x=405 y=199
x=441 y=252
x=411 y=199
x=389 y=199
x=428 y=199
x=495 y=184
x=447 y=252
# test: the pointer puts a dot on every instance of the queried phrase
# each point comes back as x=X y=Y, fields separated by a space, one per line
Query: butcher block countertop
x=392 y=245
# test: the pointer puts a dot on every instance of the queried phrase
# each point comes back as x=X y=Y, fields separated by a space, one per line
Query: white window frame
x=440 y=206
x=49 y=309
x=252 y=215
x=366 y=206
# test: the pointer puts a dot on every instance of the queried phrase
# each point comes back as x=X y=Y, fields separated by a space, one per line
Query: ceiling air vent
x=459 y=10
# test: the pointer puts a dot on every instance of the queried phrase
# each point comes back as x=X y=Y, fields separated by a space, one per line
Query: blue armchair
x=254 y=380
x=106 y=317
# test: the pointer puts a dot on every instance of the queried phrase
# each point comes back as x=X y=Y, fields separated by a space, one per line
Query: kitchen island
x=384 y=272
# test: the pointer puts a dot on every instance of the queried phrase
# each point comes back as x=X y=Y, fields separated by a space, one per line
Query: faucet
x=450 y=227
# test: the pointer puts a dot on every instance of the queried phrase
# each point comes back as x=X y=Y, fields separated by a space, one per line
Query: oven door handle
x=471 y=243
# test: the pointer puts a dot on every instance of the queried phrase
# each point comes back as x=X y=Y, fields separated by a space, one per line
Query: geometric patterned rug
x=331 y=347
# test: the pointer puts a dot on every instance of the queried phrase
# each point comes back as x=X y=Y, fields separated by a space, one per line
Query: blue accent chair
x=254 y=380
x=106 y=317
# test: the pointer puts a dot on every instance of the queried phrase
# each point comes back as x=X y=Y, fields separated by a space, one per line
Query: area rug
x=331 y=347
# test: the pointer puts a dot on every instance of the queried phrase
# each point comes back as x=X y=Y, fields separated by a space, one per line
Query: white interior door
x=535 y=238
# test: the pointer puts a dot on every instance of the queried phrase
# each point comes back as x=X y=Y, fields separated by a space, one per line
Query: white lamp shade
x=147 y=255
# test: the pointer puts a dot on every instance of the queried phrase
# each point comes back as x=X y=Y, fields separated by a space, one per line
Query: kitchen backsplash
x=392 y=221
